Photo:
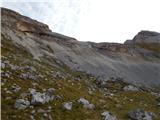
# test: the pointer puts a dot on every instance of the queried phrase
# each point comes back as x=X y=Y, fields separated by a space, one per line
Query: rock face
x=136 y=64
x=147 y=37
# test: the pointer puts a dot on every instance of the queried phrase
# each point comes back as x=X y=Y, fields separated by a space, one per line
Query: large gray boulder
x=140 y=114
x=21 y=104
x=41 y=98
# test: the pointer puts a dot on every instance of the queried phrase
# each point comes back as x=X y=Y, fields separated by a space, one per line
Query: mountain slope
x=104 y=60
x=35 y=57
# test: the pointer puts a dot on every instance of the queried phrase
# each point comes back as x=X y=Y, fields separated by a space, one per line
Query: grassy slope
x=119 y=105
x=151 y=46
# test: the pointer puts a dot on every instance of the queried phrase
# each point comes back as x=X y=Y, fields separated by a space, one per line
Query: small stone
x=86 y=103
x=24 y=95
x=50 y=91
x=15 y=88
x=67 y=105
x=131 y=100
x=108 y=116
x=31 y=90
x=32 y=117
x=15 y=67
x=8 y=98
x=83 y=101
x=4 y=74
x=130 y=88
x=41 y=111
x=33 y=112
x=48 y=111
x=34 y=84
x=49 y=107
x=45 y=115
x=77 y=79
x=50 y=117
x=5 y=89
x=89 y=106
x=8 y=92
x=2 y=83
x=90 y=92
x=31 y=106
x=44 y=90
x=21 y=104
x=3 y=65
x=28 y=76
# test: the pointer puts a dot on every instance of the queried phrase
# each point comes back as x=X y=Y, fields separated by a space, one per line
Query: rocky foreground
x=49 y=76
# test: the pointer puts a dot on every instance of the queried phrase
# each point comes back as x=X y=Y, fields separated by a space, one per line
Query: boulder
x=21 y=104
x=83 y=101
x=86 y=103
x=108 y=116
x=130 y=88
x=67 y=106
x=140 y=114
x=40 y=98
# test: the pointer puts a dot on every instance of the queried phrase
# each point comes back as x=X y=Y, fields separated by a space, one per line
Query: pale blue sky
x=93 y=20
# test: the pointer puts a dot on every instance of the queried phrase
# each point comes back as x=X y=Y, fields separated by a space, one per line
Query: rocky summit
x=49 y=76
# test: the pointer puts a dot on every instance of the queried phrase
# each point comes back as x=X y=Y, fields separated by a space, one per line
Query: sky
x=92 y=20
